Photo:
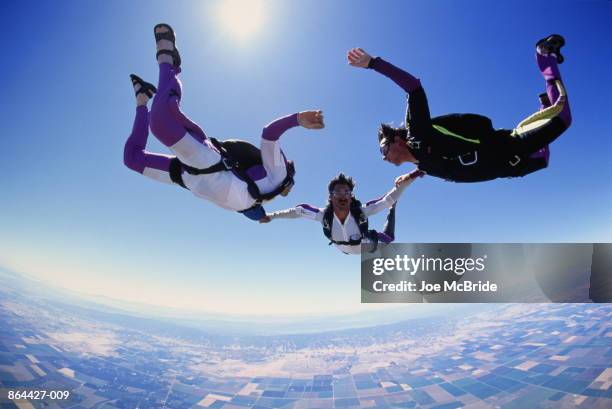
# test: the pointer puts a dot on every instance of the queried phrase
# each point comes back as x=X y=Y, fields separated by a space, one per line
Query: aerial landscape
x=501 y=355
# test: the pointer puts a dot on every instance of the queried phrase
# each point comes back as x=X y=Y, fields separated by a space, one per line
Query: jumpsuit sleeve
x=274 y=130
x=300 y=211
x=273 y=159
x=388 y=200
x=406 y=81
x=418 y=117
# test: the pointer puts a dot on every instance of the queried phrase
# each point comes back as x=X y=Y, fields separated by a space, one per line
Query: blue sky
x=73 y=215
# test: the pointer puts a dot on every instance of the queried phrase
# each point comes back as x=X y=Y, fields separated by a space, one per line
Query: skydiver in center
x=345 y=219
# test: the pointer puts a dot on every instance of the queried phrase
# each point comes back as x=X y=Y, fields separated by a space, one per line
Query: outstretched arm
x=273 y=159
x=306 y=119
x=357 y=57
x=300 y=211
x=393 y=195
x=153 y=165
x=417 y=112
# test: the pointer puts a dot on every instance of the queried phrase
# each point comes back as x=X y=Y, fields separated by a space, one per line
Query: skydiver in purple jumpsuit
x=195 y=155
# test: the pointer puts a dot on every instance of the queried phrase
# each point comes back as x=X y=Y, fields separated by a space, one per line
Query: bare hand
x=409 y=176
x=311 y=119
x=265 y=219
x=357 y=57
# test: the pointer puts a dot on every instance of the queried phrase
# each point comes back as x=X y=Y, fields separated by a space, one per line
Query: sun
x=241 y=18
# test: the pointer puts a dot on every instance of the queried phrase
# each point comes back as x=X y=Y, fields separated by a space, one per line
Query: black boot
x=145 y=87
x=551 y=45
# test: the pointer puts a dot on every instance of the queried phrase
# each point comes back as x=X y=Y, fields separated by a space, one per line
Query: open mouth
x=343 y=201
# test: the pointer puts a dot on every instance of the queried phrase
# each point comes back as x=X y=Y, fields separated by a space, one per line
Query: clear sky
x=73 y=215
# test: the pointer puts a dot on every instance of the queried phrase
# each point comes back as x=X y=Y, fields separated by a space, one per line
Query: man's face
x=341 y=197
x=393 y=152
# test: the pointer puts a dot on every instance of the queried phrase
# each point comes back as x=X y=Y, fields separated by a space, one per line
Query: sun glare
x=241 y=18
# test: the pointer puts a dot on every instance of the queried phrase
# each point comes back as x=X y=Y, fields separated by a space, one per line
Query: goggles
x=342 y=192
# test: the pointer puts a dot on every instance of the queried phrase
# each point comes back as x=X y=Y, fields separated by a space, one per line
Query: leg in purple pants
x=558 y=105
x=550 y=71
x=153 y=165
x=540 y=129
x=172 y=127
x=543 y=153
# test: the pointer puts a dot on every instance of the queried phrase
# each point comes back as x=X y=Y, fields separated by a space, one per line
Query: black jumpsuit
x=466 y=147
